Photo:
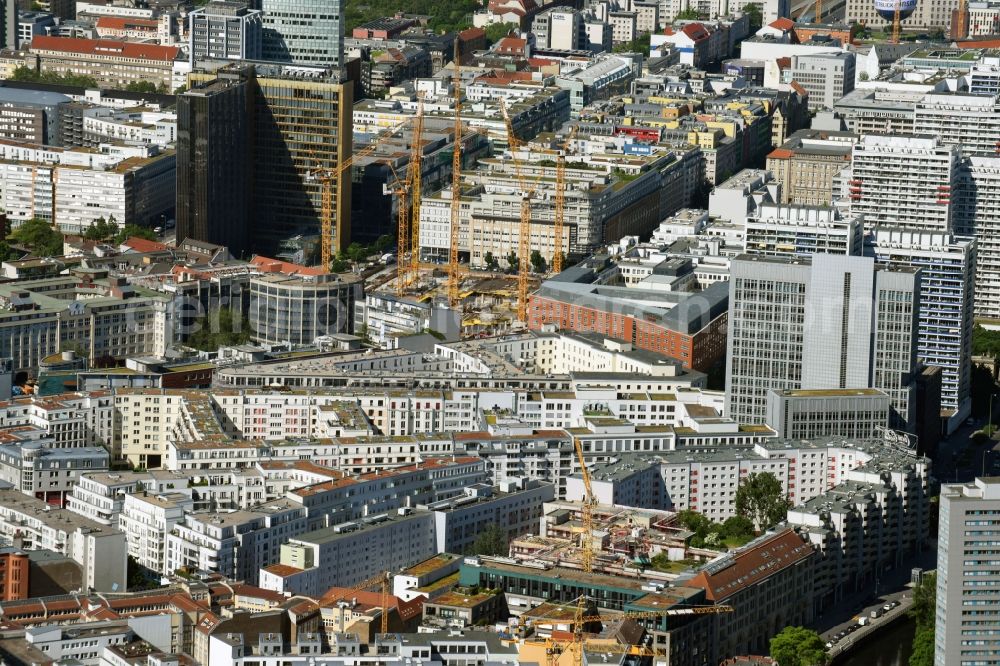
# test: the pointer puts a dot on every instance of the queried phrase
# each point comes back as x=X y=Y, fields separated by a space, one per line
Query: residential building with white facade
x=947 y=267
x=967 y=625
x=977 y=213
x=904 y=180
x=146 y=520
x=781 y=230
x=48 y=474
x=35 y=525
x=969 y=121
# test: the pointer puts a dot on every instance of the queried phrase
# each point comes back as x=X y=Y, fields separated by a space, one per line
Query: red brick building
x=13 y=576
x=689 y=327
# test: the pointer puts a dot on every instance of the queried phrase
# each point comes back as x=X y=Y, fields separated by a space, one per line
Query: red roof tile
x=268 y=265
x=143 y=245
x=105 y=47
x=125 y=23
x=780 y=154
x=784 y=24
x=752 y=565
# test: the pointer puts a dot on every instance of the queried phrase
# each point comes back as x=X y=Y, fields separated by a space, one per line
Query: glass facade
x=306 y=32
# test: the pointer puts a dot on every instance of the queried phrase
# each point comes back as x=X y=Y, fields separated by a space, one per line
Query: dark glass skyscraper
x=214 y=160
x=293 y=121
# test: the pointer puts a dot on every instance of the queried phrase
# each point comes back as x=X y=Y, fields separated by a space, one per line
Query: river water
x=891 y=648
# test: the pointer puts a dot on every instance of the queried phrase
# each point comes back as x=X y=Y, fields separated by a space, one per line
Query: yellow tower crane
x=578 y=644
x=524 y=229
x=961 y=29
x=560 y=216
x=326 y=177
x=587 y=543
x=819 y=11
x=416 y=159
x=896 y=22
x=456 y=182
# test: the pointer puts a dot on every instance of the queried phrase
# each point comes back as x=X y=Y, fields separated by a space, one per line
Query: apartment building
x=48 y=474
x=904 y=180
x=514 y=506
x=237 y=543
x=829 y=322
x=72 y=188
x=777 y=566
x=346 y=554
x=947 y=267
x=977 y=213
x=113 y=64
x=969 y=121
x=782 y=230
x=385 y=318
x=35 y=525
x=146 y=520
x=967 y=629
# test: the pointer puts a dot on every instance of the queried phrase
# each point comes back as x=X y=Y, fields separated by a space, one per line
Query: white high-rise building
x=947 y=269
x=904 y=180
x=971 y=121
x=967 y=627
x=225 y=31
x=831 y=322
x=977 y=213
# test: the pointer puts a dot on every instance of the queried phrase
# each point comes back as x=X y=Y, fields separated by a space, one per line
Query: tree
x=756 y=19
x=134 y=231
x=737 y=527
x=688 y=14
x=491 y=541
x=923 y=648
x=798 y=646
x=141 y=86
x=357 y=252
x=497 y=31
x=761 y=499
x=537 y=261
x=40 y=237
x=181 y=89
x=638 y=45
x=221 y=328
x=102 y=229
x=513 y=262
x=491 y=262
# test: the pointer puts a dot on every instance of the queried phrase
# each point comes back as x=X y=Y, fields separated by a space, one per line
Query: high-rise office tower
x=904 y=180
x=829 y=322
x=967 y=628
x=225 y=31
x=947 y=268
x=306 y=32
x=214 y=159
x=299 y=123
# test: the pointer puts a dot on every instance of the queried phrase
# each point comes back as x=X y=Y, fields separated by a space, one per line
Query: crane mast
x=456 y=183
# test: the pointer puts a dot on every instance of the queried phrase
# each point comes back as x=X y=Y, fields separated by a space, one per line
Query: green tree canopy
x=491 y=541
x=756 y=18
x=798 y=646
x=688 y=14
x=102 y=229
x=491 y=262
x=40 y=237
x=537 y=261
x=513 y=262
x=134 y=231
x=497 y=31
x=761 y=500
x=923 y=614
x=985 y=342
x=141 y=86
x=220 y=328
